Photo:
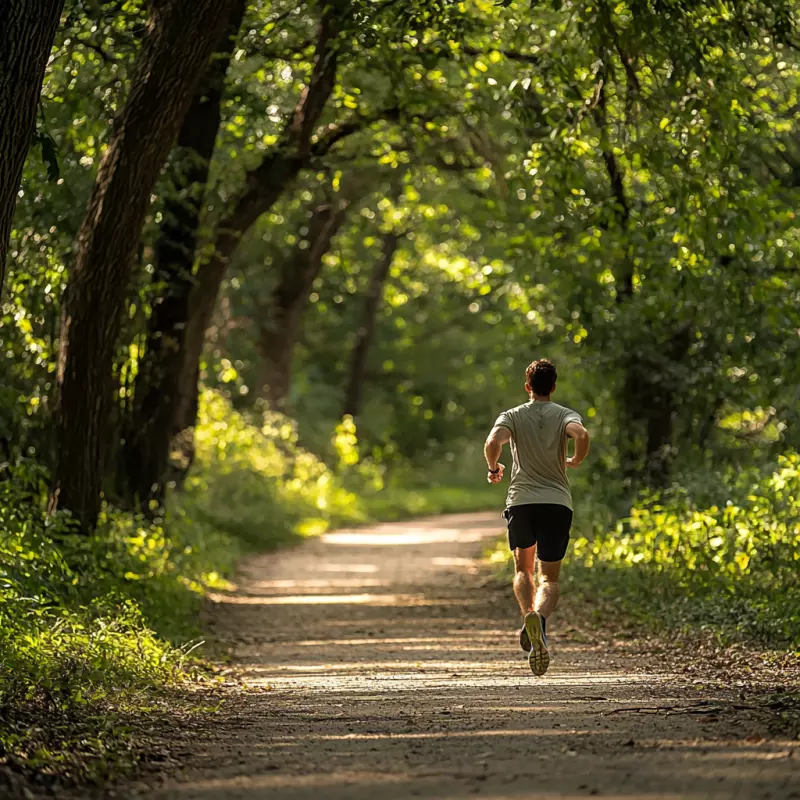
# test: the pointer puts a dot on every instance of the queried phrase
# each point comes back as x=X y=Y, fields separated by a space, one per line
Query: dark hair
x=541 y=376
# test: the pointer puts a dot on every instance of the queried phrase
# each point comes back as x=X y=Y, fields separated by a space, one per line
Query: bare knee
x=549 y=571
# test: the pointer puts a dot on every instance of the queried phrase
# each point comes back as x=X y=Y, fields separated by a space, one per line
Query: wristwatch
x=494 y=471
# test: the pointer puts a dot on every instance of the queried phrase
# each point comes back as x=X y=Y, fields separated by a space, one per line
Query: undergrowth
x=719 y=557
x=96 y=629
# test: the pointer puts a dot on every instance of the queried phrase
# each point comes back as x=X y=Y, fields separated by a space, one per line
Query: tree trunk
x=659 y=406
x=658 y=447
x=180 y=37
x=281 y=329
x=366 y=329
x=150 y=426
x=27 y=31
x=264 y=186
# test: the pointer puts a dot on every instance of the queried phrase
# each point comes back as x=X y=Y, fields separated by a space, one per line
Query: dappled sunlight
x=773 y=750
x=285 y=291
x=483 y=675
x=444 y=642
x=358 y=568
x=378 y=667
x=358 y=785
x=448 y=734
x=405 y=538
x=365 y=785
x=317 y=583
x=375 y=600
x=270 y=781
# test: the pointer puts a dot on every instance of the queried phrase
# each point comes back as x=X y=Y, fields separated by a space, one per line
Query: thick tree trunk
x=27 y=31
x=366 y=330
x=150 y=427
x=281 y=330
x=180 y=37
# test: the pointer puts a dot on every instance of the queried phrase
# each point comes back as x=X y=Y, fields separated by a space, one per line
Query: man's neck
x=540 y=398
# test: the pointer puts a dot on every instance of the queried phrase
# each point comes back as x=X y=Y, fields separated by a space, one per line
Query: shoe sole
x=524 y=640
x=539 y=656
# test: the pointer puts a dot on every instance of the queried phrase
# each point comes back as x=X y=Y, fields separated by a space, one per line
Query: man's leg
x=524 y=586
x=536 y=622
x=549 y=588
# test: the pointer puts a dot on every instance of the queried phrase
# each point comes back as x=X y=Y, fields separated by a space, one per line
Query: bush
x=255 y=482
x=727 y=561
x=79 y=614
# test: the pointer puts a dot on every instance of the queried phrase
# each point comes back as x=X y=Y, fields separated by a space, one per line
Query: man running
x=539 y=504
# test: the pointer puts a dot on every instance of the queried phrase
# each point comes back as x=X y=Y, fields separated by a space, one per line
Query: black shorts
x=544 y=524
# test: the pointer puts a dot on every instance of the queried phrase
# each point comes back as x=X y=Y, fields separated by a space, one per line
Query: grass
x=399 y=502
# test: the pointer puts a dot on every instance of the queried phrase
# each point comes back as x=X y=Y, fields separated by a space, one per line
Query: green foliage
x=83 y=624
x=81 y=615
x=722 y=555
x=256 y=483
x=402 y=502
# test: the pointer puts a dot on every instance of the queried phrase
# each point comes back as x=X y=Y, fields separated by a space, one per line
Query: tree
x=179 y=40
x=367 y=29
x=366 y=328
x=280 y=322
x=27 y=31
x=264 y=185
x=149 y=428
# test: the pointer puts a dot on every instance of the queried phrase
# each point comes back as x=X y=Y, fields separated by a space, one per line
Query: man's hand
x=494 y=447
x=577 y=432
x=496 y=477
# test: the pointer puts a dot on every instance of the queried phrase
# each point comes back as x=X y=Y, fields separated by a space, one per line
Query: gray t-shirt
x=539 y=447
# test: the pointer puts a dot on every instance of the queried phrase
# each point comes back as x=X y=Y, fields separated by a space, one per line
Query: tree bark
x=365 y=333
x=27 y=31
x=180 y=37
x=149 y=429
x=281 y=330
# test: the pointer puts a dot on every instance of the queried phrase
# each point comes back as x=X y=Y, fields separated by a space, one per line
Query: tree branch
x=333 y=133
x=512 y=55
x=104 y=54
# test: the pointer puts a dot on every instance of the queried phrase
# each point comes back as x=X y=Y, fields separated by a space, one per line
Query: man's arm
x=577 y=432
x=492 y=450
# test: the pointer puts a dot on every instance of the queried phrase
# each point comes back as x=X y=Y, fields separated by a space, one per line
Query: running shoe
x=539 y=656
x=524 y=640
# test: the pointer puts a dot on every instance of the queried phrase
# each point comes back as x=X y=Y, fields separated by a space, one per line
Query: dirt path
x=388 y=667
